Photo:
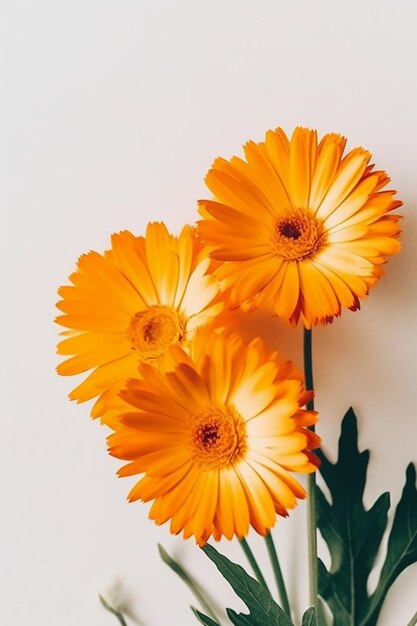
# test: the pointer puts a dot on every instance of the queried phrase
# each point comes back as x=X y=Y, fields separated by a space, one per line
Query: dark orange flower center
x=153 y=330
x=297 y=235
x=290 y=229
x=208 y=435
x=217 y=436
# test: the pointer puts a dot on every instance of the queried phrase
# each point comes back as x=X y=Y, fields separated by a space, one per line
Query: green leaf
x=204 y=619
x=402 y=545
x=238 y=619
x=352 y=533
x=189 y=581
x=309 y=618
x=321 y=616
x=263 y=610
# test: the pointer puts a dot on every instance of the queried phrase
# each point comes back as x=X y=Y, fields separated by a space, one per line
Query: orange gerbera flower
x=130 y=304
x=298 y=226
x=217 y=438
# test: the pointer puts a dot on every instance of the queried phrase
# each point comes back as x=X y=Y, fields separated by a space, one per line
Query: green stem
x=253 y=563
x=185 y=577
x=413 y=621
x=278 y=573
x=311 y=483
x=115 y=612
x=121 y=619
x=308 y=366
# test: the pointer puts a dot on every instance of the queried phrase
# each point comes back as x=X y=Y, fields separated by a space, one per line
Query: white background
x=112 y=113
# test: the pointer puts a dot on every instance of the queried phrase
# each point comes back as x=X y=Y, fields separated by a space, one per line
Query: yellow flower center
x=297 y=235
x=217 y=436
x=151 y=331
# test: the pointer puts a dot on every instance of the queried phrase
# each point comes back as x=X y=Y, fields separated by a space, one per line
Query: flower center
x=297 y=235
x=290 y=229
x=217 y=436
x=153 y=330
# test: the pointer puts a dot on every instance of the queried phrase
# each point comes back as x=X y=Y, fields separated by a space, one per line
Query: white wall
x=111 y=114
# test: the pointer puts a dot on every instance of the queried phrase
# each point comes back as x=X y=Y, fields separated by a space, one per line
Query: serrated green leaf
x=204 y=619
x=263 y=610
x=352 y=533
x=310 y=617
x=238 y=619
x=402 y=545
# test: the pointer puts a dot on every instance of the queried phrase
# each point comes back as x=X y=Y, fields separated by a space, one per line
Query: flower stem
x=413 y=621
x=185 y=577
x=278 y=573
x=311 y=481
x=253 y=563
x=115 y=612
x=121 y=619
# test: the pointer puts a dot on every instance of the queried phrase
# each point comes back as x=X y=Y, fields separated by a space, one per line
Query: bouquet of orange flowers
x=216 y=427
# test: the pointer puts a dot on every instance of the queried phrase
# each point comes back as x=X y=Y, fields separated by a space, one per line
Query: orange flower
x=217 y=438
x=298 y=226
x=130 y=304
